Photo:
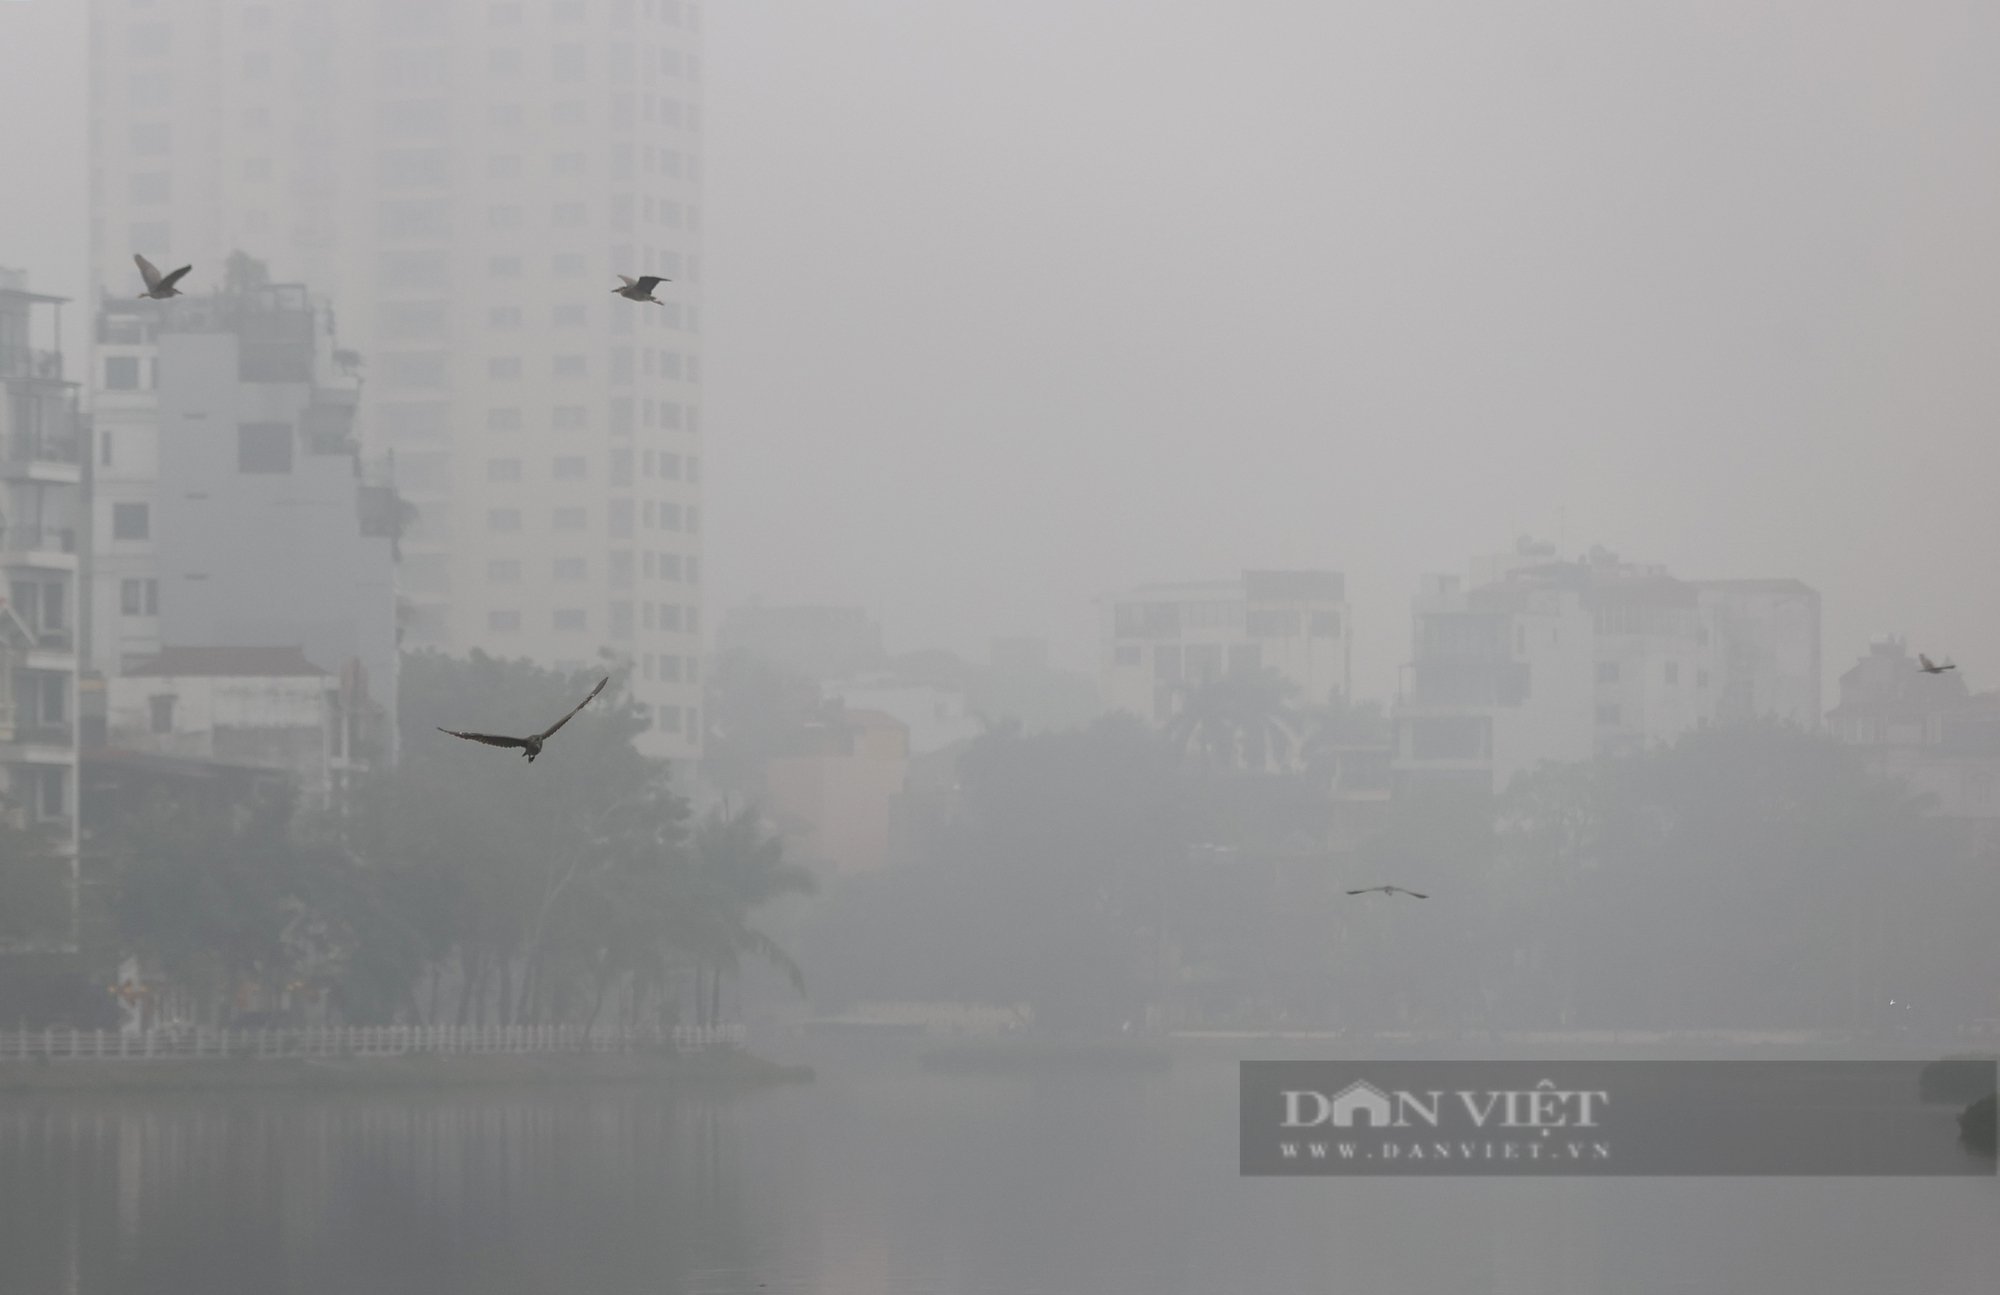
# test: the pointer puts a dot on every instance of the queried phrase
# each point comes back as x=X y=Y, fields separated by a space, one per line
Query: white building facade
x=1548 y=661
x=463 y=179
x=268 y=708
x=1159 y=641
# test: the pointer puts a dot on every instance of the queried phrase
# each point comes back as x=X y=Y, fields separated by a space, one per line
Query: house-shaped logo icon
x=1364 y=1099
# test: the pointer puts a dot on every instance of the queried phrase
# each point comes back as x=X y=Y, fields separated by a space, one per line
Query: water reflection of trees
x=495 y=1194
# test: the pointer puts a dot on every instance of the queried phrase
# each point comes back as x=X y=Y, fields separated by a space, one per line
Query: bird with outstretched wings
x=158 y=286
x=1928 y=666
x=641 y=288
x=1389 y=890
x=530 y=746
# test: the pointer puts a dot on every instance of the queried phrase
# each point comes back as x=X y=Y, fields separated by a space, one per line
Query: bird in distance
x=530 y=746
x=641 y=289
x=159 y=287
x=1389 y=890
x=1928 y=666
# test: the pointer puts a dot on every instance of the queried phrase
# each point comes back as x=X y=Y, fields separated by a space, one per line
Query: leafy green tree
x=35 y=901
x=736 y=868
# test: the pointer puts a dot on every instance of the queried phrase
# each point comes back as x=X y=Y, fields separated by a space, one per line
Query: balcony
x=55 y=458
x=29 y=741
x=23 y=362
x=38 y=546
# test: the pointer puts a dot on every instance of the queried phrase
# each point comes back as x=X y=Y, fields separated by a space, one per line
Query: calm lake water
x=882 y=1178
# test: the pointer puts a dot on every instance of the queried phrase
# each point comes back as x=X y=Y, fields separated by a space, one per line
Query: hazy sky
x=1011 y=302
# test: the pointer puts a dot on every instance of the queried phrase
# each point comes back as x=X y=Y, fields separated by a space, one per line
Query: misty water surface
x=883 y=1178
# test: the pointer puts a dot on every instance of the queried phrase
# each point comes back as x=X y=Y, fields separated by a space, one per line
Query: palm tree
x=735 y=868
x=1242 y=720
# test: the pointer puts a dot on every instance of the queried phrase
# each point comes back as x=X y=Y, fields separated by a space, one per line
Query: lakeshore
x=718 y=1068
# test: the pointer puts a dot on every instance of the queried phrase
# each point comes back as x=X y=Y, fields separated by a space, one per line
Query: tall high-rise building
x=464 y=179
x=41 y=517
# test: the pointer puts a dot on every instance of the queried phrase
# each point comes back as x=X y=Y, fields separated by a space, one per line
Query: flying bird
x=1928 y=666
x=1389 y=890
x=641 y=289
x=530 y=746
x=159 y=287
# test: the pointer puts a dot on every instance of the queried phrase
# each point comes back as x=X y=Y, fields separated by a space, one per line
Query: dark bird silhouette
x=1928 y=666
x=641 y=289
x=530 y=746
x=1389 y=890
x=158 y=286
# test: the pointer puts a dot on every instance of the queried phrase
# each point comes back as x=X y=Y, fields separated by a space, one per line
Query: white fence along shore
x=200 y=1043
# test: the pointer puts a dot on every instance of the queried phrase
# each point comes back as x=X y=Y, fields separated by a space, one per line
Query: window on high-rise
x=503 y=166
x=503 y=622
x=503 y=420
x=567 y=166
x=415 y=218
x=264 y=447
x=569 y=366
x=569 y=418
x=503 y=366
x=567 y=519
x=568 y=571
x=503 y=520
x=503 y=469
x=413 y=168
x=504 y=267
x=568 y=265
x=150 y=139
x=569 y=215
x=505 y=64
x=571 y=619
x=503 y=317
x=503 y=571
x=572 y=316
x=406 y=370
x=152 y=186
x=567 y=467
x=121 y=373
x=131 y=521
x=567 y=62
x=418 y=270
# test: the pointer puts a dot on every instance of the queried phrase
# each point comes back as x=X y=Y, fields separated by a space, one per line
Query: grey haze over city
x=1125 y=617
x=1011 y=305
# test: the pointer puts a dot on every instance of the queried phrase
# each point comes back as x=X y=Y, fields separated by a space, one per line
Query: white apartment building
x=230 y=506
x=1633 y=657
x=267 y=708
x=1502 y=679
x=42 y=436
x=1161 y=640
x=463 y=179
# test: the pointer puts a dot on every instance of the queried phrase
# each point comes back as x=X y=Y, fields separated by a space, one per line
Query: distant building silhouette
x=1930 y=731
x=1159 y=642
x=1541 y=660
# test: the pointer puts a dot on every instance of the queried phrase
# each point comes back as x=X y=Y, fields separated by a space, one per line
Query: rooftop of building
x=228 y=662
